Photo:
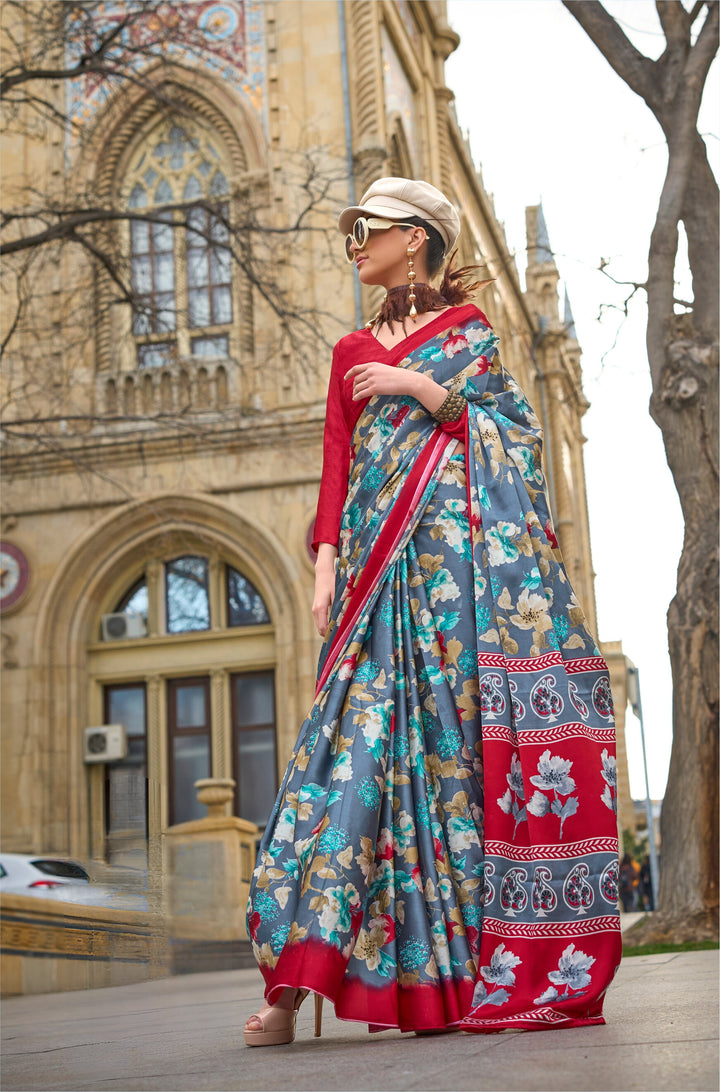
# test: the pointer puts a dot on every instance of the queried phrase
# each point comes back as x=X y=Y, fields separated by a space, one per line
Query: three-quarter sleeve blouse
x=342 y=414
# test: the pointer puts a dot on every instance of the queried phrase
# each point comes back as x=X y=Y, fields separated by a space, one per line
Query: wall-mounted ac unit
x=115 y=627
x=106 y=743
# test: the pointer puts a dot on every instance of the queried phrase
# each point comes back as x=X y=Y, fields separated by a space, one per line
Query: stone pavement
x=184 y=1033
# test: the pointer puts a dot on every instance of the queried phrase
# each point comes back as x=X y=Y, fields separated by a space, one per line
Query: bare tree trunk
x=683 y=357
x=686 y=408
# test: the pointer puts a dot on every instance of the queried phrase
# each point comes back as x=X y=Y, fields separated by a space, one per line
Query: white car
x=24 y=874
x=62 y=880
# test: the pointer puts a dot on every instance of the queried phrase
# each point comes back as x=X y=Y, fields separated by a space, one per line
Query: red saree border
x=387 y=542
x=313 y=965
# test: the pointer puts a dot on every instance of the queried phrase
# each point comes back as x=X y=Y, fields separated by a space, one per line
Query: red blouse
x=342 y=413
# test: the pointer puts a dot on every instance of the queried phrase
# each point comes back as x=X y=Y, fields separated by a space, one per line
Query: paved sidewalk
x=184 y=1033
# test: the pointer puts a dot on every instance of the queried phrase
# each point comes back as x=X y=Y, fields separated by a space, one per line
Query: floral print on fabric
x=457 y=669
x=397 y=897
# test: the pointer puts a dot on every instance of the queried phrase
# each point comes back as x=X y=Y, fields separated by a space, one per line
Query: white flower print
x=285 y=828
x=375 y=725
x=501 y=970
x=403 y=832
x=511 y=800
x=572 y=973
x=342 y=767
x=506 y=801
x=539 y=804
x=514 y=778
x=609 y=770
x=335 y=916
x=554 y=774
x=532 y=612
x=462 y=833
x=572 y=969
x=499 y=974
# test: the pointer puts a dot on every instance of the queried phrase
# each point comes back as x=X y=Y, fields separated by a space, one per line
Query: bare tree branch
x=617 y=49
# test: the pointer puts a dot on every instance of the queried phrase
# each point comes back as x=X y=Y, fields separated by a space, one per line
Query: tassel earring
x=411 y=278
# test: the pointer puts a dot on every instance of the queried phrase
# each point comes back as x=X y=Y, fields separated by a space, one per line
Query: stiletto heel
x=277 y=1025
x=318 y=1015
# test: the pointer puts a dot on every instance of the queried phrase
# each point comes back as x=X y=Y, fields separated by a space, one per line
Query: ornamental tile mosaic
x=228 y=39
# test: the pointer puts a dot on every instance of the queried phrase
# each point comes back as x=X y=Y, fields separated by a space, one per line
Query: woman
x=443 y=849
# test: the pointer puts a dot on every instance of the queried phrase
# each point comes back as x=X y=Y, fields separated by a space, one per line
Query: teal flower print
x=525 y=462
x=336 y=915
x=532 y=580
x=454 y=522
x=369 y=792
x=265 y=905
x=441 y=587
x=333 y=839
x=449 y=741
x=279 y=936
x=496 y=585
x=367 y=671
x=467 y=661
x=375 y=725
x=501 y=549
x=414 y=953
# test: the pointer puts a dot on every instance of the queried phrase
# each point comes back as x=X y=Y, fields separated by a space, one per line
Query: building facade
x=161 y=468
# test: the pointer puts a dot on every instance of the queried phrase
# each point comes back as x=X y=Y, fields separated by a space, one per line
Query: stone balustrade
x=194 y=385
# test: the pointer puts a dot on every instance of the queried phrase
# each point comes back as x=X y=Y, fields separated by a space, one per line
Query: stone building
x=156 y=513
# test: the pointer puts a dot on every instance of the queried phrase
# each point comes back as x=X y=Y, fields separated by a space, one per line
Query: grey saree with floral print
x=443 y=848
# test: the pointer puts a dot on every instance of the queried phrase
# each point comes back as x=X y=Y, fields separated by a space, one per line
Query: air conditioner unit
x=115 y=627
x=106 y=743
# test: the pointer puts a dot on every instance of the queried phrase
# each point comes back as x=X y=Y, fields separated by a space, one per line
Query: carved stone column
x=220 y=727
x=156 y=775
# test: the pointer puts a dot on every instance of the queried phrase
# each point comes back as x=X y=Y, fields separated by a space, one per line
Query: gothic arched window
x=181 y=261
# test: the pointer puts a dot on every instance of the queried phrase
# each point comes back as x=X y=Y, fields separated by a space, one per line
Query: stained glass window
x=179 y=165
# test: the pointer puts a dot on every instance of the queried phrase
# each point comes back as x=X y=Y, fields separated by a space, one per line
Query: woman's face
x=384 y=259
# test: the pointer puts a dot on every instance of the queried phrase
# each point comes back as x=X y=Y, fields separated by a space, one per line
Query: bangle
x=451 y=409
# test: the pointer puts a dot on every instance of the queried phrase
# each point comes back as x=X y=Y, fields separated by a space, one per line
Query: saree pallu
x=443 y=848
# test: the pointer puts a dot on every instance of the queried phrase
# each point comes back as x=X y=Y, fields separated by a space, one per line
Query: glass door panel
x=255 y=756
x=126 y=781
x=188 y=704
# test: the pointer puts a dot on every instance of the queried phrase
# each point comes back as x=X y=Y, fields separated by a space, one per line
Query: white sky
x=548 y=119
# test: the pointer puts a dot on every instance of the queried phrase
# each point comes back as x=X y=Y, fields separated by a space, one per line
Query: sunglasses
x=361 y=233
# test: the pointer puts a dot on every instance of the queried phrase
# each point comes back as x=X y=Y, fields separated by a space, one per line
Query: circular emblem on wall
x=14 y=575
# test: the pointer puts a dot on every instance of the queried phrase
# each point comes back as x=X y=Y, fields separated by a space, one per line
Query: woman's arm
x=376 y=378
x=324 y=585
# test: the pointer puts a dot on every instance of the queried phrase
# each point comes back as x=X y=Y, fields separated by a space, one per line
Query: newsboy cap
x=399 y=198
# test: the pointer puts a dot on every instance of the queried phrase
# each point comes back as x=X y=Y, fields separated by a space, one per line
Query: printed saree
x=443 y=848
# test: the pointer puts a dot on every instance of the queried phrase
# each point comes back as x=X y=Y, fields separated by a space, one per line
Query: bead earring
x=411 y=278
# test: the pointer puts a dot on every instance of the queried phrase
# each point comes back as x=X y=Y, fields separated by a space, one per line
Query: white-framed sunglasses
x=361 y=233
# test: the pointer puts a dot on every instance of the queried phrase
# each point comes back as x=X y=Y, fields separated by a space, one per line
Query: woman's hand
x=324 y=586
x=376 y=378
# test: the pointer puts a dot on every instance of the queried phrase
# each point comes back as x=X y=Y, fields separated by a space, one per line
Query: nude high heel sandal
x=278 y=1024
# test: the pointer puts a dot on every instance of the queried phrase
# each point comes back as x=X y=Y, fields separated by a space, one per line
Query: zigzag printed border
x=540 y=663
x=542 y=930
x=542 y=1015
x=499 y=733
x=551 y=852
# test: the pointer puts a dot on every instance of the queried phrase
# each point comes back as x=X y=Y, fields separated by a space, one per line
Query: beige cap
x=399 y=198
